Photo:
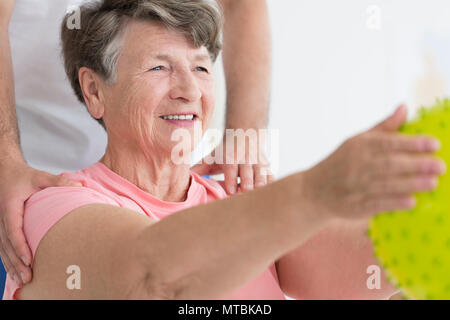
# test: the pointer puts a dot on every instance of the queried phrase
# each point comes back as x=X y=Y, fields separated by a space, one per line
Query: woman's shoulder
x=46 y=207
x=88 y=186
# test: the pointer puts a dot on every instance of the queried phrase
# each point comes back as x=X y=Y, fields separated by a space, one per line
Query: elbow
x=178 y=290
x=151 y=288
x=159 y=282
x=162 y=292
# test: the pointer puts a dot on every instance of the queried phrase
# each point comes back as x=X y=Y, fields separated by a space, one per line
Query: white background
x=342 y=66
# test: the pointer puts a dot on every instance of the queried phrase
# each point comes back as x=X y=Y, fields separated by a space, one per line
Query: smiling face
x=163 y=83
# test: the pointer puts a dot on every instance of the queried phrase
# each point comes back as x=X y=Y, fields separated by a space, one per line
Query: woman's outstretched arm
x=209 y=251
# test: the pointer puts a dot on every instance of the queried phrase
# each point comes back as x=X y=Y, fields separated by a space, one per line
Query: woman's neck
x=157 y=175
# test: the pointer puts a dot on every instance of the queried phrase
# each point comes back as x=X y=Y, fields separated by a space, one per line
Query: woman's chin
x=179 y=152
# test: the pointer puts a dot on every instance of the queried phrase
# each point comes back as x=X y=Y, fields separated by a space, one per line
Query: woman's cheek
x=135 y=115
x=208 y=109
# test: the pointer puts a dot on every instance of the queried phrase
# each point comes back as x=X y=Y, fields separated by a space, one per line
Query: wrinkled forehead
x=143 y=40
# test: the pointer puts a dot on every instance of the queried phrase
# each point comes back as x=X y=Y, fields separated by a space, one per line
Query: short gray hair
x=96 y=44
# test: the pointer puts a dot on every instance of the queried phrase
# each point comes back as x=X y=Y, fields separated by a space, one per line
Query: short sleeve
x=45 y=208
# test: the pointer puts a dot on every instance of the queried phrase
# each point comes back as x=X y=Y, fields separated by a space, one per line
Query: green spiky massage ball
x=414 y=246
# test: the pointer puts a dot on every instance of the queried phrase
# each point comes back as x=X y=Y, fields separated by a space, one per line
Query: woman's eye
x=158 y=68
x=202 y=69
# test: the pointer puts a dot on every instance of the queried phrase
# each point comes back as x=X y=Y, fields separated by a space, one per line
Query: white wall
x=342 y=66
x=336 y=73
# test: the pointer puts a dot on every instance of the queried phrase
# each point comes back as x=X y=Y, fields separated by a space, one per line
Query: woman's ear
x=92 y=92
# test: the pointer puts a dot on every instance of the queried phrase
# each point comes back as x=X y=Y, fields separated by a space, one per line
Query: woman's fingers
x=386 y=203
x=384 y=143
x=402 y=164
x=406 y=184
x=393 y=121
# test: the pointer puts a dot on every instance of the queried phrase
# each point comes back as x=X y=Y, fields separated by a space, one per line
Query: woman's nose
x=185 y=87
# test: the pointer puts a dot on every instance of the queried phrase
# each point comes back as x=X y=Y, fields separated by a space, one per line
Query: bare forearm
x=210 y=251
x=9 y=137
x=247 y=63
x=333 y=265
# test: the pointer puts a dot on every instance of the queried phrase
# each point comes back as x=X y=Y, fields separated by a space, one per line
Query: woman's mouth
x=182 y=120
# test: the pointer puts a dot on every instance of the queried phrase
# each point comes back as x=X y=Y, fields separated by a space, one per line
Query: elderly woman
x=142 y=226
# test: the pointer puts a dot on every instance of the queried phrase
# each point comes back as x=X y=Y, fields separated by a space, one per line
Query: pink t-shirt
x=102 y=185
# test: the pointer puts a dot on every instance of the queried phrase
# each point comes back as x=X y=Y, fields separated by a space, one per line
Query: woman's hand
x=251 y=166
x=17 y=183
x=374 y=172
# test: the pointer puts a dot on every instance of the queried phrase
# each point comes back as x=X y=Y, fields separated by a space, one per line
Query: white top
x=57 y=132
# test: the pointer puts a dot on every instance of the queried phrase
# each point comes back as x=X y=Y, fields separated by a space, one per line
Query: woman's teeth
x=180 y=117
